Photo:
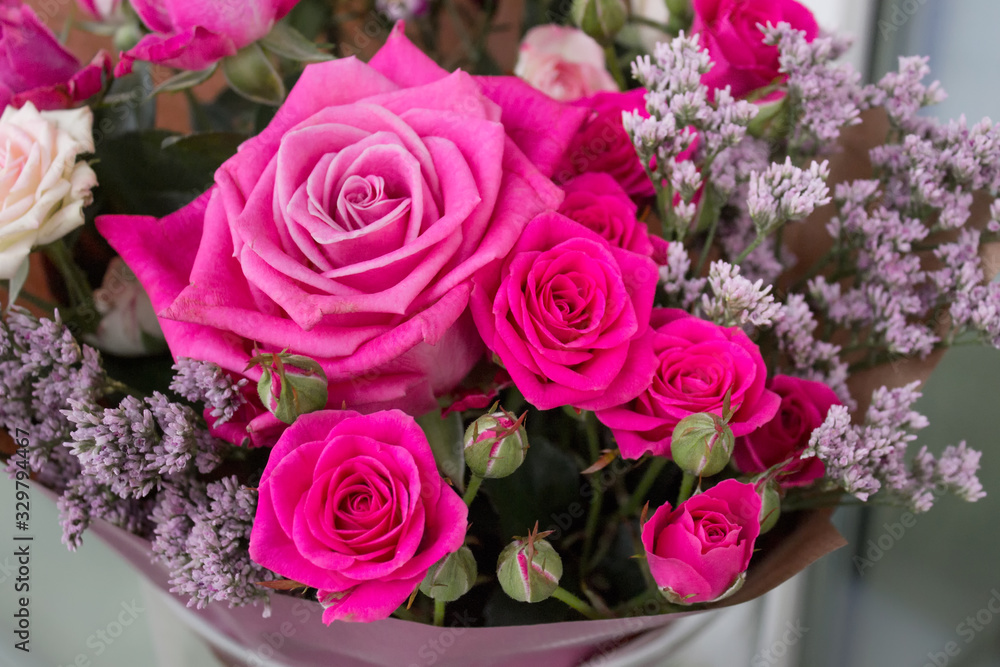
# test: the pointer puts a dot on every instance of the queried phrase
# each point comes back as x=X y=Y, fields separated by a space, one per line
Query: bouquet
x=391 y=333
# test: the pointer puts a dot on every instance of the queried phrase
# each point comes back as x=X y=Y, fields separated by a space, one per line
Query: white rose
x=128 y=327
x=43 y=189
x=563 y=63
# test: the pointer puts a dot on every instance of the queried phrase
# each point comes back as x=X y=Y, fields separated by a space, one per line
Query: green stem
x=749 y=249
x=76 y=282
x=687 y=486
x=472 y=489
x=706 y=248
x=616 y=69
x=37 y=301
x=576 y=603
x=202 y=123
x=596 y=500
x=649 y=23
x=645 y=484
x=439 y=606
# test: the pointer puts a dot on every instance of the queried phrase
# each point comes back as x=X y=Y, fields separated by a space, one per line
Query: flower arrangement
x=415 y=312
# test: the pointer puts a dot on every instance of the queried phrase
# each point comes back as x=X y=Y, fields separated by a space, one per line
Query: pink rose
x=700 y=551
x=563 y=62
x=597 y=202
x=36 y=68
x=804 y=405
x=349 y=230
x=194 y=35
x=354 y=506
x=567 y=313
x=729 y=31
x=603 y=145
x=699 y=362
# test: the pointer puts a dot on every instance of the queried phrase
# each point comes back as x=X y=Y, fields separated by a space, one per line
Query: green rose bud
x=451 y=577
x=770 y=506
x=495 y=445
x=529 y=568
x=701 y=444
x=291 y=385
x=601 y=19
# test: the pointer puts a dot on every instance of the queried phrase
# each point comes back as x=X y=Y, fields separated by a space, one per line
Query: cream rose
x=43 y=188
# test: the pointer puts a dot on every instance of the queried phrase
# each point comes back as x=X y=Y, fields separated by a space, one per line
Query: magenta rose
x=194 y=35
x=354 y=506
x=698 y=363
x=568 y=314
x=603 y=145
x=597 y=202
x=36 y=68
x=729 y=31
x=700 y=551
x=804 y=405
x=349 y=230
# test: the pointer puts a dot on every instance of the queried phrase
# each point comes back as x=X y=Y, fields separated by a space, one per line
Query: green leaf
x=446 y=439
x=139 y=176
x=287 y=42
x=251 y=74
x=184 y=80
x=544 y=489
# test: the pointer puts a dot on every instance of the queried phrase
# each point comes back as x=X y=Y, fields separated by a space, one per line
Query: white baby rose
x=43 y=188
x=563 y=62
x=128 y=327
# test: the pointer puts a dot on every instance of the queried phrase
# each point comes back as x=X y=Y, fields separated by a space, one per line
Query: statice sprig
x=202 y=536
x=682 y=116
x=784 y=192
x=132 y=448
x=871 y=458
x=205 y=382
x=735 y=301
x=42 y=369
x=822 y=97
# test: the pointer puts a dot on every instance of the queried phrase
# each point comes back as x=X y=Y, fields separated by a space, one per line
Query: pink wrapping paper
x=294 y=634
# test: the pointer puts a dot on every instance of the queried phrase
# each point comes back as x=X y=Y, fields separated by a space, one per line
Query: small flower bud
x=529 y=568
x=495 y=445
x=451 y=577
x=601 y=19
x=291 y=385
x=701 y=444
x=770 y=506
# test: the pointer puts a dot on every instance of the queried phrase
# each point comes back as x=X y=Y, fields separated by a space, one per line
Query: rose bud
x=701 y=444
x=601 y=19
x=495 y=445
x=529 y=568
x=451 y=577
x=770 y=506
x=291 y=385
x=699 y=552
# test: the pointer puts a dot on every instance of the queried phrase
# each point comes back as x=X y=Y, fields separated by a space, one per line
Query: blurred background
x=903 y=593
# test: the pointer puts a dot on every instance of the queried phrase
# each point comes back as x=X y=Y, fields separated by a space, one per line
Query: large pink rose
x=563 y=62
x=729 y=31
x=36 y=68
x=568 y=314
x=699 y=362
x=597 y=202
x=603 y=145
x=193 y=35
x=349 y=230
x=804 y=405
x=700 y=551
x=354 y=506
